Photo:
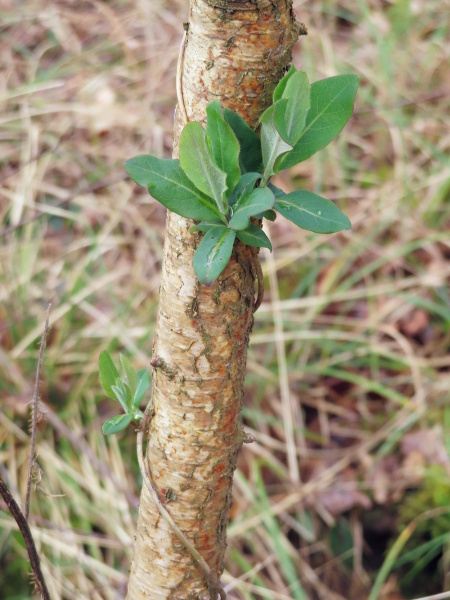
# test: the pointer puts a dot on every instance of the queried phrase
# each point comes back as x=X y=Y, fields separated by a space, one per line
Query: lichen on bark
x=235 y=52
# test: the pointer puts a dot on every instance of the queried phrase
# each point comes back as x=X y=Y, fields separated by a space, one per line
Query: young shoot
x=128 y=388
x=222 y=179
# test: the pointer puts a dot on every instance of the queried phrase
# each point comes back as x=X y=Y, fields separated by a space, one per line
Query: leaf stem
x=264 y=181
x=34 y=411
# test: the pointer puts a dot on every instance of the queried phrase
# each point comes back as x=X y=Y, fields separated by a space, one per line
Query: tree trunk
x=236 y=51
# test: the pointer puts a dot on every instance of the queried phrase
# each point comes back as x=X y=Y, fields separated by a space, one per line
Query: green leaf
x=278 y=91
x=123 y=395
x=254 y=236
x=289 y=118
x=270 y=215
x=206 y=226
x=250 y=158
x=130 y=374
x=273 y=145
x=277 y=192
x=244 y=187
x=223 y=144
x=312 y=212
x=143 y=383
x=198 y=165
x=116 y=424
x=167 y=183
x=332 y=102
x=259 y=200
x=108 y=374
x=213 y=253
x=341 y=542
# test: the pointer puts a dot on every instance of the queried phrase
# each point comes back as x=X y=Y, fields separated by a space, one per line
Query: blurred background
x=354 y=331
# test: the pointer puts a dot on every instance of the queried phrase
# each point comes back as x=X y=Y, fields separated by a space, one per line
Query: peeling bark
x=236 y=52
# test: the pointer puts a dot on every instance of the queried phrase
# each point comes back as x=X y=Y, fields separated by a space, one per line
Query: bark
x=236 y=52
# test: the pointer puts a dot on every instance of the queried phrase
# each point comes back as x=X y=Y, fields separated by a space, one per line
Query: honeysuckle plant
x=128 y=388
x=222 y=178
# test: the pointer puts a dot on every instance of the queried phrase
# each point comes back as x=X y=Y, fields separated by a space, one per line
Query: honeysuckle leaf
x=250 y=158
x=270 y=215
x=167 y=183
x=278 y=91
x=258 y=201
x=223 y=144
x=243 y=188
x=199 y=166
x=206 y=226
x=289 y=118
x=123 y=395
x=108 y=374
x=213 y=253
x=116 y=424
x=277 y=192
x=129 y=373
x=272 y=144
x=254 y=236
x=312 y=212
x=143 y=383
x=332 y=102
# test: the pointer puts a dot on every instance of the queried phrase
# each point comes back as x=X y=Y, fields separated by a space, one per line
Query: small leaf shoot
x=332 y=102
x=143 y=383
x=129 y=374
x=223 y=144
x=312 y=212
x=220 y=170
x=167 y=182
x=254 y=236
x=259 y=200
x=273 y=145
x=197 y=163
x=108 y=374
x=116 y=424
x=213 y=253
x=250 y=158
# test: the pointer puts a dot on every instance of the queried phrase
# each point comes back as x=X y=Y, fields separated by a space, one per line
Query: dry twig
x=179 y=82
x=28 y=539
x=34 y=411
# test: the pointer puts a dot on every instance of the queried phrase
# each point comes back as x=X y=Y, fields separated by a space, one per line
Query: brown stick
x=28 y=539
x=34 y=411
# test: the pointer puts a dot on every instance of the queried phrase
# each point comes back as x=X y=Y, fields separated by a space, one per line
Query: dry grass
x=350 y=351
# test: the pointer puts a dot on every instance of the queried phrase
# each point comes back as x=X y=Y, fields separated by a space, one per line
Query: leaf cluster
x=222 y=178
x=128 y=388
